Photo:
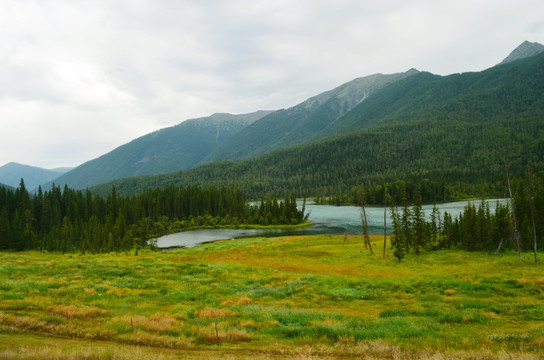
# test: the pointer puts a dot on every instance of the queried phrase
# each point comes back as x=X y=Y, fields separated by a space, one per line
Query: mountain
x=456 y=128
x=525 y=50
x=512 y=88
x=7 y=187
x=12 y=173
x=170 y=149
x=302 y=123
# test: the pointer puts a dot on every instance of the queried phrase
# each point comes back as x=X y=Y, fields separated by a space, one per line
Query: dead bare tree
x=364 y=221
x=499 y=248
x=514 y=220
x=384 y=221
x=532 y=201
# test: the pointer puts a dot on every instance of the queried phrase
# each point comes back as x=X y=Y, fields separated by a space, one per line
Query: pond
x=326 y=220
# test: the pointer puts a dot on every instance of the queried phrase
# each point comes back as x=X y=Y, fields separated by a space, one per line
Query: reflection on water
x=325 y=219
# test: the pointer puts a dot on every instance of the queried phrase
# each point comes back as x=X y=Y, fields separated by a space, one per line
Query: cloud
x=81 y=78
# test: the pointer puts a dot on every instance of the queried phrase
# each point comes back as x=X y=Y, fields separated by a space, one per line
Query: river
x=326 y=220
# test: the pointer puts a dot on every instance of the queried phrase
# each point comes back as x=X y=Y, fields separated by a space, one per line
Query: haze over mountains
x=475 y=102
x=12 y=173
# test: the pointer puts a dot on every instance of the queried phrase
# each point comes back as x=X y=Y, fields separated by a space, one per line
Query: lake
x=326 y=220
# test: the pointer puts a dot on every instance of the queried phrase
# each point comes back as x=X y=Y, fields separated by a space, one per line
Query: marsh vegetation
x=316 y=296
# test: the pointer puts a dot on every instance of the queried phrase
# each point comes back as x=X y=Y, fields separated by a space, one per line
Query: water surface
x=326 y=220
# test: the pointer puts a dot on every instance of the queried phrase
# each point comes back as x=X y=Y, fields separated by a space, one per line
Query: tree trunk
x=499 y=248
x=532 y=197
x=516 y=232
x=365 y=224
x=384 y=223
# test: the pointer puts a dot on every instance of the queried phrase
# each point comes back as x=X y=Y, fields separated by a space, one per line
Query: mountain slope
x=455 y=128
x=302 y=123
x=175 y=148
x=471 y=154
x=12 y=173
x=511 y=88
x=525 y=50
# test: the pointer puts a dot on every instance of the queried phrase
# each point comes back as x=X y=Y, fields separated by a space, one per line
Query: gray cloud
x=81 y=78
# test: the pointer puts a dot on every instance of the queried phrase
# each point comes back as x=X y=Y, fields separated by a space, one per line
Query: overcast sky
x=79 y=78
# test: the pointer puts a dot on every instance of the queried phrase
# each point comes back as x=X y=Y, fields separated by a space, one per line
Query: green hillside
x=470 y=153
x=170 y=149
x=458 y=128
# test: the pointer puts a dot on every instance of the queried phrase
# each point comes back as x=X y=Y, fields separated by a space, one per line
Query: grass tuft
x=74 y=312
x=212 y=313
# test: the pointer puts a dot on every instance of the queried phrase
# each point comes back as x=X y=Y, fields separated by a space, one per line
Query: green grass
x=288 y=293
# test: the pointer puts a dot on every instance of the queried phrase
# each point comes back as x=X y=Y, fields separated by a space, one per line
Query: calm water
x=325 y=219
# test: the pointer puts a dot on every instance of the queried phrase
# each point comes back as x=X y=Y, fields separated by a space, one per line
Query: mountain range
x=311 y=120
x=358 y=108
x=227 y=137
x=457 y=128
x=12 y=173
x=170 y=149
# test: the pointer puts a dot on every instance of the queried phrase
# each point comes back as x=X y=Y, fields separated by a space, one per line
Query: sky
x=80 y=78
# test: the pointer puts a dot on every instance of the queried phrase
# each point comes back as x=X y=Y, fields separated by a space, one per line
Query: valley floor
x=288 y=297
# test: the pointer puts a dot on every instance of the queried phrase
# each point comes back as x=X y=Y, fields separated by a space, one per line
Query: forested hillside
x=458 y=129
x=468 y=153
x=170 y=149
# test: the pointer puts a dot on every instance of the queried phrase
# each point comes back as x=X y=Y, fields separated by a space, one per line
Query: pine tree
x=5 y=228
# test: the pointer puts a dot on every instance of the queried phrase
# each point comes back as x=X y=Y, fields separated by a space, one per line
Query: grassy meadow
x=302 y=297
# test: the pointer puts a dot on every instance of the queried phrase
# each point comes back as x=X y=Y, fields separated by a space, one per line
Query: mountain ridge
x=458 y=127
x=33 y=176
x=174 y=148
x=356 y=105
x=524 y=50
x=303 y=122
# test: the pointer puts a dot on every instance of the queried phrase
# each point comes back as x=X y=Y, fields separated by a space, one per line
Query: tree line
x=477 y=228
x=430 y=190
x=78 y=221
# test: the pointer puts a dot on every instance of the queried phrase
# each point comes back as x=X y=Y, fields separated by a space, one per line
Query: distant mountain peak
x=525 y=50
x=12 y=173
